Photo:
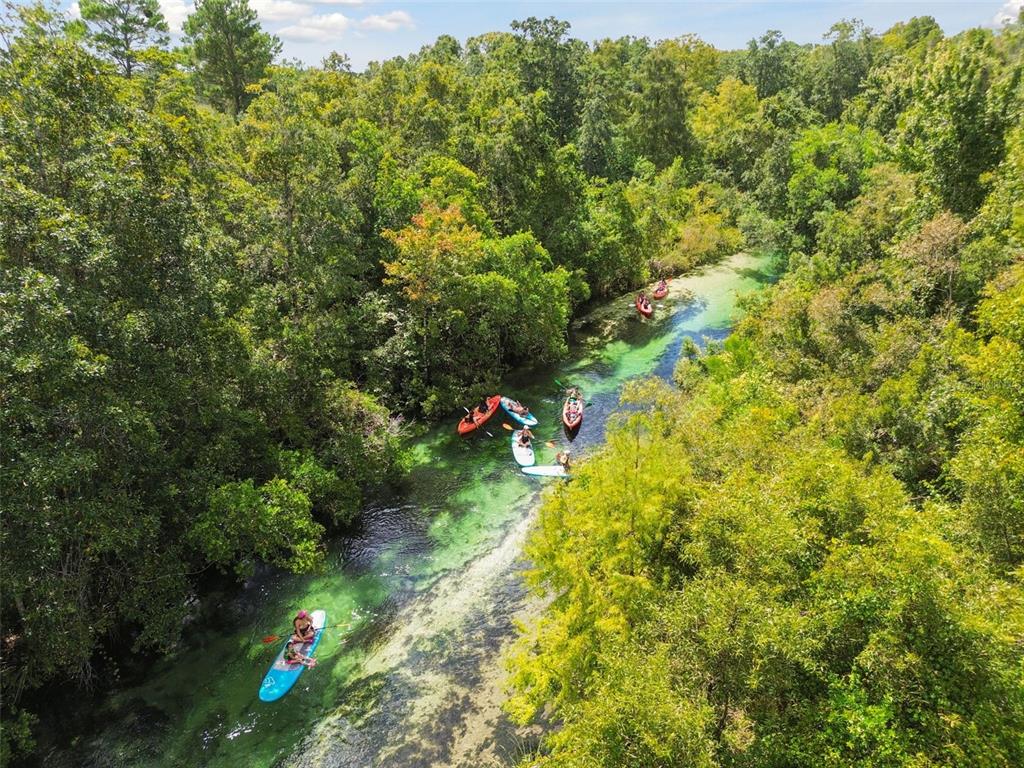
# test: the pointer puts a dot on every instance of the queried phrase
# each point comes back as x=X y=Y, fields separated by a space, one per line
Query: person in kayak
x=642 y=300
x=573 y=407
x=525 y=435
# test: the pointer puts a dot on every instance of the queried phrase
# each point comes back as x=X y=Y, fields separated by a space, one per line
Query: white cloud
x=389 y=22
x=328 y=26
x=175 y=11
x=1009 y=12
x=320 y=28
x=279 y=10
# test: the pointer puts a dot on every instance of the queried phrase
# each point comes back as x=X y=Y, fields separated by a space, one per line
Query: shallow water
x=430 y=581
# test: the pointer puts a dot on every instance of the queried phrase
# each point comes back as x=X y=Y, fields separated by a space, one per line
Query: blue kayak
x=527 y=420
x=282 y=674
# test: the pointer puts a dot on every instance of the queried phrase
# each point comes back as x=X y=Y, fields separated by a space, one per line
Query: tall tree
x=770 y=63
x=951 y=130
x=836 y=72
x=121 y=27
x=550 y=61
x=230 y=48
x=659 y=125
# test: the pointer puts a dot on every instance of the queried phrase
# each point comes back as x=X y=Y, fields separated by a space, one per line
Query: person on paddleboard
x=525 y=435
x=293 y=655
x=303 y=625
x=563 y=459
x=304 y=633
x=519 y=408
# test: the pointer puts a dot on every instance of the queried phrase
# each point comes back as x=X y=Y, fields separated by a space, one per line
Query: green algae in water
x=410 y=579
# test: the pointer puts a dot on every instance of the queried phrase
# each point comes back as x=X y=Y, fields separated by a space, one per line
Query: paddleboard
x=522 y=453
x=546 y=470
x=282 y=674
x=527 y=420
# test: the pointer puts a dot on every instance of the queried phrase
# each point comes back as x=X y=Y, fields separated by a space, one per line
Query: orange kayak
x=661 y=291
x=477 y=418
x=644 y=308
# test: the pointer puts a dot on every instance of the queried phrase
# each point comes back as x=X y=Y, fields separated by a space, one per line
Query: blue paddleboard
x=529 y=420
x=282 y=674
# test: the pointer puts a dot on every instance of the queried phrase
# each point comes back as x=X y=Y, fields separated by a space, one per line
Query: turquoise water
x=428 y=582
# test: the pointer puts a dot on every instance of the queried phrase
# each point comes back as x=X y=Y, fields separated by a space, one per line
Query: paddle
x=274 y=638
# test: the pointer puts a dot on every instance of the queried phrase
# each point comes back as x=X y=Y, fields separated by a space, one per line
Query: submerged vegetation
x=226 y=281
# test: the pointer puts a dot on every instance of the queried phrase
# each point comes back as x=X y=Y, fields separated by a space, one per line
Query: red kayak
x=661 y=291
x=477 y=418
x=644 y=307
x=572 y=411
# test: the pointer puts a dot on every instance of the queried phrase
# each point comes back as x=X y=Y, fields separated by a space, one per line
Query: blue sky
x=370 y=30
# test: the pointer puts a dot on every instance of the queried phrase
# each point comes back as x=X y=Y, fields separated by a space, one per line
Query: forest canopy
x=228 y=283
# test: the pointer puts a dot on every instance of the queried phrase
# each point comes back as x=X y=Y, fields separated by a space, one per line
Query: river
x=429 y=579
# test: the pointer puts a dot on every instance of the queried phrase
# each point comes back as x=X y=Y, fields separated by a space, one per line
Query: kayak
x=522 y=453
x=644 y=309
x=283 y=674
x=478 y=418
x=527 y=420
x=572 y=417
x=546 y=470
x=660 y=292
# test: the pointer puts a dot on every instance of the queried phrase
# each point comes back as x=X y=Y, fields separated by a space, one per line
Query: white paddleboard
x=523 y=453
x=546 y=470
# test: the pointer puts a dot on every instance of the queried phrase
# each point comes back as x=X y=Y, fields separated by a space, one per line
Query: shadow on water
x=429 y=577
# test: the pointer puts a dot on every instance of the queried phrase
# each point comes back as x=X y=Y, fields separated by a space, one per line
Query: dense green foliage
x=224 y=281
x=809 y=551
x=123 y=27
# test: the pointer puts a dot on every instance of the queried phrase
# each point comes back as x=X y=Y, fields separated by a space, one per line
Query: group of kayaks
x=523 y=453
x=283 y=673
x=644 y=305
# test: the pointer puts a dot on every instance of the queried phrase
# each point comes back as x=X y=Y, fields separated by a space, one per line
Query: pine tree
x=121 y=27
x=230 y=48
